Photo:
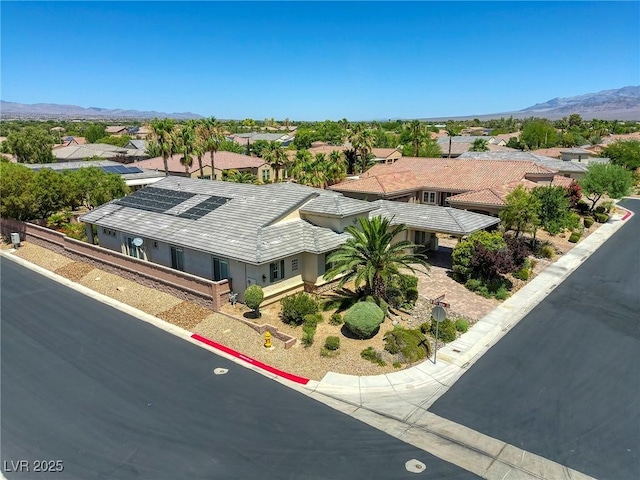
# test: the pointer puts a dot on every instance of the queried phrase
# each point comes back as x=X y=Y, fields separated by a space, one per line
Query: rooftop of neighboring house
x=549 y=152
x=495 y=196
x=462 y=144
x=255 y=224
x=441 y=174
x=243 y=138
x=384 y=152
x=137 y=144
x=519 y=156
x=111 y=129
x=131 y=174
x=223 y=161
x=614 y=138
x=81 y=152
x=324 y=148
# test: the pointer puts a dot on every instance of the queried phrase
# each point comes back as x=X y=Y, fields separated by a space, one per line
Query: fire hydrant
x=267 y=339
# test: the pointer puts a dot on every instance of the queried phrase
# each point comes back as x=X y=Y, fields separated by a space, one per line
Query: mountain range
x=617 y=104
x=53 y=110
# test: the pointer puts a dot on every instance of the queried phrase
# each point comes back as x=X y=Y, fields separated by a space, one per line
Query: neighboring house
x=134 y=177
x=578 y=154
x=490 y=201
x=137 y=145
x=386 y=155
x=433 y=181
x=224 y=162
x=569 y=169
x=72 y=153
x=116 y=130
x=71 y=141
x=141 y=133
x=277 y=236
x=461 y=144
x=245 y=139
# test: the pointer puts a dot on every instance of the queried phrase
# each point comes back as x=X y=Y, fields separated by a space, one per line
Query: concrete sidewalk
x=399 y=393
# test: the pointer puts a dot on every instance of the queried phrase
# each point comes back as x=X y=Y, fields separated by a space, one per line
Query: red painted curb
x=626 y=215
x=252 y=361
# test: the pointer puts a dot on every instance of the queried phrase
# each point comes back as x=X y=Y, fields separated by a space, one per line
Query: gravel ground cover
x=129 y=292
x=186 y=315
x=42 y=257
x=74 y=271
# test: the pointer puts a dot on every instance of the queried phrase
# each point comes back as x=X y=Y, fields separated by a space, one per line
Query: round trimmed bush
x=253 y=297
x=296 y=306
x=601 y=217
x=462 y=325
x=336 y=319
x=332 y=343
x=575 y=236
x=446 y=330
x=587 y=221
x=363 y=319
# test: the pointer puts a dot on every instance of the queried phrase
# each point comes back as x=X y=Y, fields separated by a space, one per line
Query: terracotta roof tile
x=223 y=161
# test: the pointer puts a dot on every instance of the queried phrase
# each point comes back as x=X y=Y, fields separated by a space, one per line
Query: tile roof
x=383 y=152
x=249 y=226
x=432 y=218
x=223 y=161
x=81 y=152
x=519 y=156
x=441 y=174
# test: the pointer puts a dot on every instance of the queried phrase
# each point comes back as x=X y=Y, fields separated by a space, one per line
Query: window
x=420 y=238
x=285 y=173
x=204 y=177
x=220 y=269
x=108 y=231
x=428 y=197
x=266 y=175
x=177 y=258
x=276 y=270
x=294 y=265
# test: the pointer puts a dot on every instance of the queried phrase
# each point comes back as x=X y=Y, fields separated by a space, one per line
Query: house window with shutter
x=276 y=271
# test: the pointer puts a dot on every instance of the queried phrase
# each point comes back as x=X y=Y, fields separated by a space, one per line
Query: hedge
x=363 y=319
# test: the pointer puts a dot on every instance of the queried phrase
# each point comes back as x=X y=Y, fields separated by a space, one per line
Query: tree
x=452 y=130
x=230 y=146
x=479 y=145
x=31 y=145
x=606 y=179
x=464 y=250
x=213 y=138
x=336 y=167
x=253 y=297
x=554 y=207
x=362 y=142
x=94 y=132
x=624 y=153
x=418 y=133
x=92 y=186
x=371 y=257
x=241 y=177
x=304 y=138
x=186 y=143
x=120 y=141
x=162 y=131
x=274 y=155
x=49 y=191
x=16 y=196
x=538 y=133
x=520 y=212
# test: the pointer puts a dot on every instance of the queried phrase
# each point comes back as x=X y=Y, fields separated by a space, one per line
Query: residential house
x=116 y=130
x=571 y=169
x=137 y=145
x=224 y=162
x=134 y=177
x=70 y=141
x=72 y=153
x=278 y=236
x=463 y=143
x=386 y=155
x=433 y=181
x=247 y=139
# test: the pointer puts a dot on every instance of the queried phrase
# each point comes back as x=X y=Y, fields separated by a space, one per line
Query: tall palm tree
x=162 y=131
x=211 y=133
x=418 y=132
x=452 y=130
x=336 y=168
x=362 y=141
x=301 y=166
x=371 y=257
x=241 y=177
x=186 y=140
x=274 y=155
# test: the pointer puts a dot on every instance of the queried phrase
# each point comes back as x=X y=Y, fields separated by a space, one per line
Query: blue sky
x=316 y=60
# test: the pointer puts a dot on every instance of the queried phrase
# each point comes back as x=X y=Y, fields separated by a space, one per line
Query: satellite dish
x=138 y=242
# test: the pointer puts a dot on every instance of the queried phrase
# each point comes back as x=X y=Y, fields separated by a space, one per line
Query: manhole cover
x=220 y=371
x=415 y=466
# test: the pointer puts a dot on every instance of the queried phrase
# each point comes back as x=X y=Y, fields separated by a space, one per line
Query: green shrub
x=397 y=365
x=582 y=206
x=546 y=250
x=370 y=354
x=575 y=236
x=446 y=330
x=473 y=284
x=600 y=209
x=59 y=219
x=402 y=291
x=295 y=307
x=462 y=325
x=384 y=306
x=522 y=274
x=363 y=319
x=608 y=205
x=336 y=319
x=601 y=217
x=332 y=343
x=253 y=297
x=412 y=345
x=425 y=327
x=312 y=319
x=308 y=332
x=587 y=221
x=502 y=293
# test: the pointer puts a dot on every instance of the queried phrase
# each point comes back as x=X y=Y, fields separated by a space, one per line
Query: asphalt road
x=565 y=382
x=115 y=398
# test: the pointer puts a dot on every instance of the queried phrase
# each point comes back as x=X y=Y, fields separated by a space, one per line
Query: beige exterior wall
x=336 y=224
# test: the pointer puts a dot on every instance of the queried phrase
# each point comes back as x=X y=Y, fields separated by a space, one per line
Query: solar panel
x=204 y=207
x=153 y=199
x=133 y=170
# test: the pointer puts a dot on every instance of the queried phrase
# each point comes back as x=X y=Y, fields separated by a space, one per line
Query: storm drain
x=415 y=466
x=220 y=371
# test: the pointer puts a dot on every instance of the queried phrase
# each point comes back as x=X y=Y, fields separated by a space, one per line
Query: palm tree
x=418 y=132
x=274 y=155
x=211 y=133
x=362 y=141
x=370 y=256
x=301 y=166
x=186 y=139
x=241 y=177
x=452 y=130
x=479 y=145
x=336 y=168
x=162 y=131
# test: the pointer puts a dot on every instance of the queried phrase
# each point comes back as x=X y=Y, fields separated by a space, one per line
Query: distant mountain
x=53 y=110
x=619 y=104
